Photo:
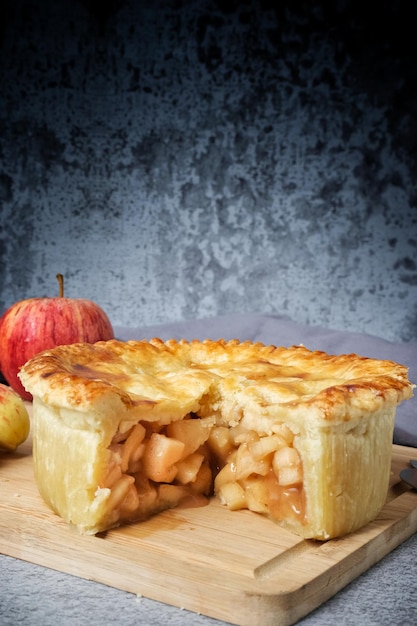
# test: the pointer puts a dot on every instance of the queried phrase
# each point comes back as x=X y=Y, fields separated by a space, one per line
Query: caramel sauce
x=285 y=502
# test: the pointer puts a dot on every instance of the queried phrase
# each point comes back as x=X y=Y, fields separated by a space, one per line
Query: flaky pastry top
x=173 y=376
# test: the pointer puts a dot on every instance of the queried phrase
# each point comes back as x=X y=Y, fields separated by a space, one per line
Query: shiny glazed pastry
x=123 y=430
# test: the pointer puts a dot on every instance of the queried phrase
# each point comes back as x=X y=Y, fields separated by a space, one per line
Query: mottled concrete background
x=179 y=160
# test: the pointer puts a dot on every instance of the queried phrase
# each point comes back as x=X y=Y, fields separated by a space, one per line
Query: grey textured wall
x=186 y=159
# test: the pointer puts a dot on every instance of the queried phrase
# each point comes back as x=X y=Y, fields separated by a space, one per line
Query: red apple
x=37 y=324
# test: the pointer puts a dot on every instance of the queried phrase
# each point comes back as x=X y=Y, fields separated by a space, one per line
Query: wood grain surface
x=235 y=566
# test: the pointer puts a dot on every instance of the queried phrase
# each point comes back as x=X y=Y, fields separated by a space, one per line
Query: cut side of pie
x=124 y=430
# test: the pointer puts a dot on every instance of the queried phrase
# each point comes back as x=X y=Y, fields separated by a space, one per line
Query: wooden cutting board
x=234 y=566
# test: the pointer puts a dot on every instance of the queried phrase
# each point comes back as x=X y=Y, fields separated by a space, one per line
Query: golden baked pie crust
x=338 y=410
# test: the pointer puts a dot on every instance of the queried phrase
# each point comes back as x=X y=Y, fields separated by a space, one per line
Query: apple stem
x=60 y=279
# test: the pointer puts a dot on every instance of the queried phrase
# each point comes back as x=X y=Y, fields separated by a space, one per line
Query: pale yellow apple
x=14 y=419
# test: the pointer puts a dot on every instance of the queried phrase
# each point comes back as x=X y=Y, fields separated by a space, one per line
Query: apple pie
x=124 y=430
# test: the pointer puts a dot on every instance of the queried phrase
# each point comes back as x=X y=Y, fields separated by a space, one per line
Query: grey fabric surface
x=385 y=595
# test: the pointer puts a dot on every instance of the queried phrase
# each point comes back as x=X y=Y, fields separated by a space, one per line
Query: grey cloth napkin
x=281 y=331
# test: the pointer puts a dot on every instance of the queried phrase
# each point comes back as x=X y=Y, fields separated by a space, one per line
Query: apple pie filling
x=153 y=467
